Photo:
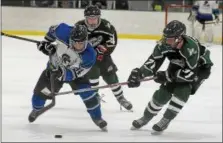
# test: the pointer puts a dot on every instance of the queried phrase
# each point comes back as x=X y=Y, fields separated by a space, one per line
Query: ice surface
x=22 y=63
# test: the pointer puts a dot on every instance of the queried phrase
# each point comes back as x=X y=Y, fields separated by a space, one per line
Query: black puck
x=58 y=136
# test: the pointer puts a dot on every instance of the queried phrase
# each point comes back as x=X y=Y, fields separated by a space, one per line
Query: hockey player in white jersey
x=70 y=59
x=204 y=15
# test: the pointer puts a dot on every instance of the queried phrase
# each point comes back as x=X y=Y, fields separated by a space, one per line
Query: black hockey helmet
x=79 y=33
x=92 y=17
x=78 y=37
x=92 y=10
x=174 y=29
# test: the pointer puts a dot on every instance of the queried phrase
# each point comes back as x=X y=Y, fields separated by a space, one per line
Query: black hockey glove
x=46 y=47
x=100 y=52
x=162 y=77
x=134 y=78
x=57 y=72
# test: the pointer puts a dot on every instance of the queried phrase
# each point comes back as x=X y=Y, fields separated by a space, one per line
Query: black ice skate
x=102 y=124
x=125 y=103
x=33 y=115
x=137 y=124
x=161 y=126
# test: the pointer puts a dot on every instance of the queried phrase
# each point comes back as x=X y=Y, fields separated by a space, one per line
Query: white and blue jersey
x=206 y=10
x=75 y=64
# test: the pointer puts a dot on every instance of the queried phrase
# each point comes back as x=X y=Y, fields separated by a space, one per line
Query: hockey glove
x=162 y=77
x=100 y=52
x=134 y=78
x=58 y=72
x=46 y=47
x=63 y=74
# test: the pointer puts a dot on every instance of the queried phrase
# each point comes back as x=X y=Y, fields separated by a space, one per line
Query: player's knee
x=183 y=91
x=161 y=96
x=45 y=93
x=110 y=78
x=94 y=82
x=37 y=101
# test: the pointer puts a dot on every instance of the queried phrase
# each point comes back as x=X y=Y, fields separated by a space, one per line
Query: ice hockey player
x=204 y=15
x=71 y=58
x=189 y=66
x=103 y=37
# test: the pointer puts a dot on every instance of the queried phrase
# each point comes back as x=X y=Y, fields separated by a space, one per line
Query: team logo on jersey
x=192 y=51
x=66 y=59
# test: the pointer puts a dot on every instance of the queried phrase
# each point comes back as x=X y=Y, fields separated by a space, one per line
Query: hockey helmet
x=92 y=17
x=173 y=32
x=78 y=37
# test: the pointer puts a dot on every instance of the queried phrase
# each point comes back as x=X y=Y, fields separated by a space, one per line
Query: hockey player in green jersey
x=103 y=37
x=189 y=66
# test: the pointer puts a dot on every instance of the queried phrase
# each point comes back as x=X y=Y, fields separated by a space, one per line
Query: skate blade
x=104 y=129
x=126 y=110
x=153 y=132
x=134 y=128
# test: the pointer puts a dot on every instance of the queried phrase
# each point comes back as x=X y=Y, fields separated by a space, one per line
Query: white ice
x=200 y=120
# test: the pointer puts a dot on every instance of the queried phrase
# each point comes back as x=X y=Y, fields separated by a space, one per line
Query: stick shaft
x=20 y=38
x=100 y=87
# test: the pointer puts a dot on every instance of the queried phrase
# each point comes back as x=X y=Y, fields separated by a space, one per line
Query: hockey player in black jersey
x=103 y=36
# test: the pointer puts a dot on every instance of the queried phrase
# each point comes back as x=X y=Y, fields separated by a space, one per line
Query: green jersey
x=105 y=34
x=184 y=62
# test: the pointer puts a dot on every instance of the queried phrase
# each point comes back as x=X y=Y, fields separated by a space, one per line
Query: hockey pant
x=107 y=69
x=42 y=90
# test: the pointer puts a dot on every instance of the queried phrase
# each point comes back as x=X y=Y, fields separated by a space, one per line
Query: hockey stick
x=52 y=94
x=53 y=103
x=52 y=77
x=212 y=22
x=100 y=87
x=20 y=38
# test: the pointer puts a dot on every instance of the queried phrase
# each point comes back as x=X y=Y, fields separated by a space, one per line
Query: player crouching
x=189 y=66
x=70 y=60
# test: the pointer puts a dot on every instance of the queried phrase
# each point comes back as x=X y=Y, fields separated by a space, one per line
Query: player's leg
x=90 y=99
x=93 y=76
x=198 y=30
x=209 y=34
x=108 y=71
x=41 y=93
x=180 y=96
x=160 y=98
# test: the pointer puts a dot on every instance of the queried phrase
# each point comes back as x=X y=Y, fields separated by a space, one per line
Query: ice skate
x=102 y=124
x=137 y=124
x=159 y=127
x=33 y=115
x=125 y=103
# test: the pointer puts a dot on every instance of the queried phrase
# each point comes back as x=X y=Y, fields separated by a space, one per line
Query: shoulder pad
x=81 y=22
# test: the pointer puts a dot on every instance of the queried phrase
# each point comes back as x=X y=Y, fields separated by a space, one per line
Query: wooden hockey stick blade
x=100 y=87
x=20 y=38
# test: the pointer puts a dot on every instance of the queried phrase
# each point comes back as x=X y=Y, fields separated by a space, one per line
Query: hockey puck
x=58 y=136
